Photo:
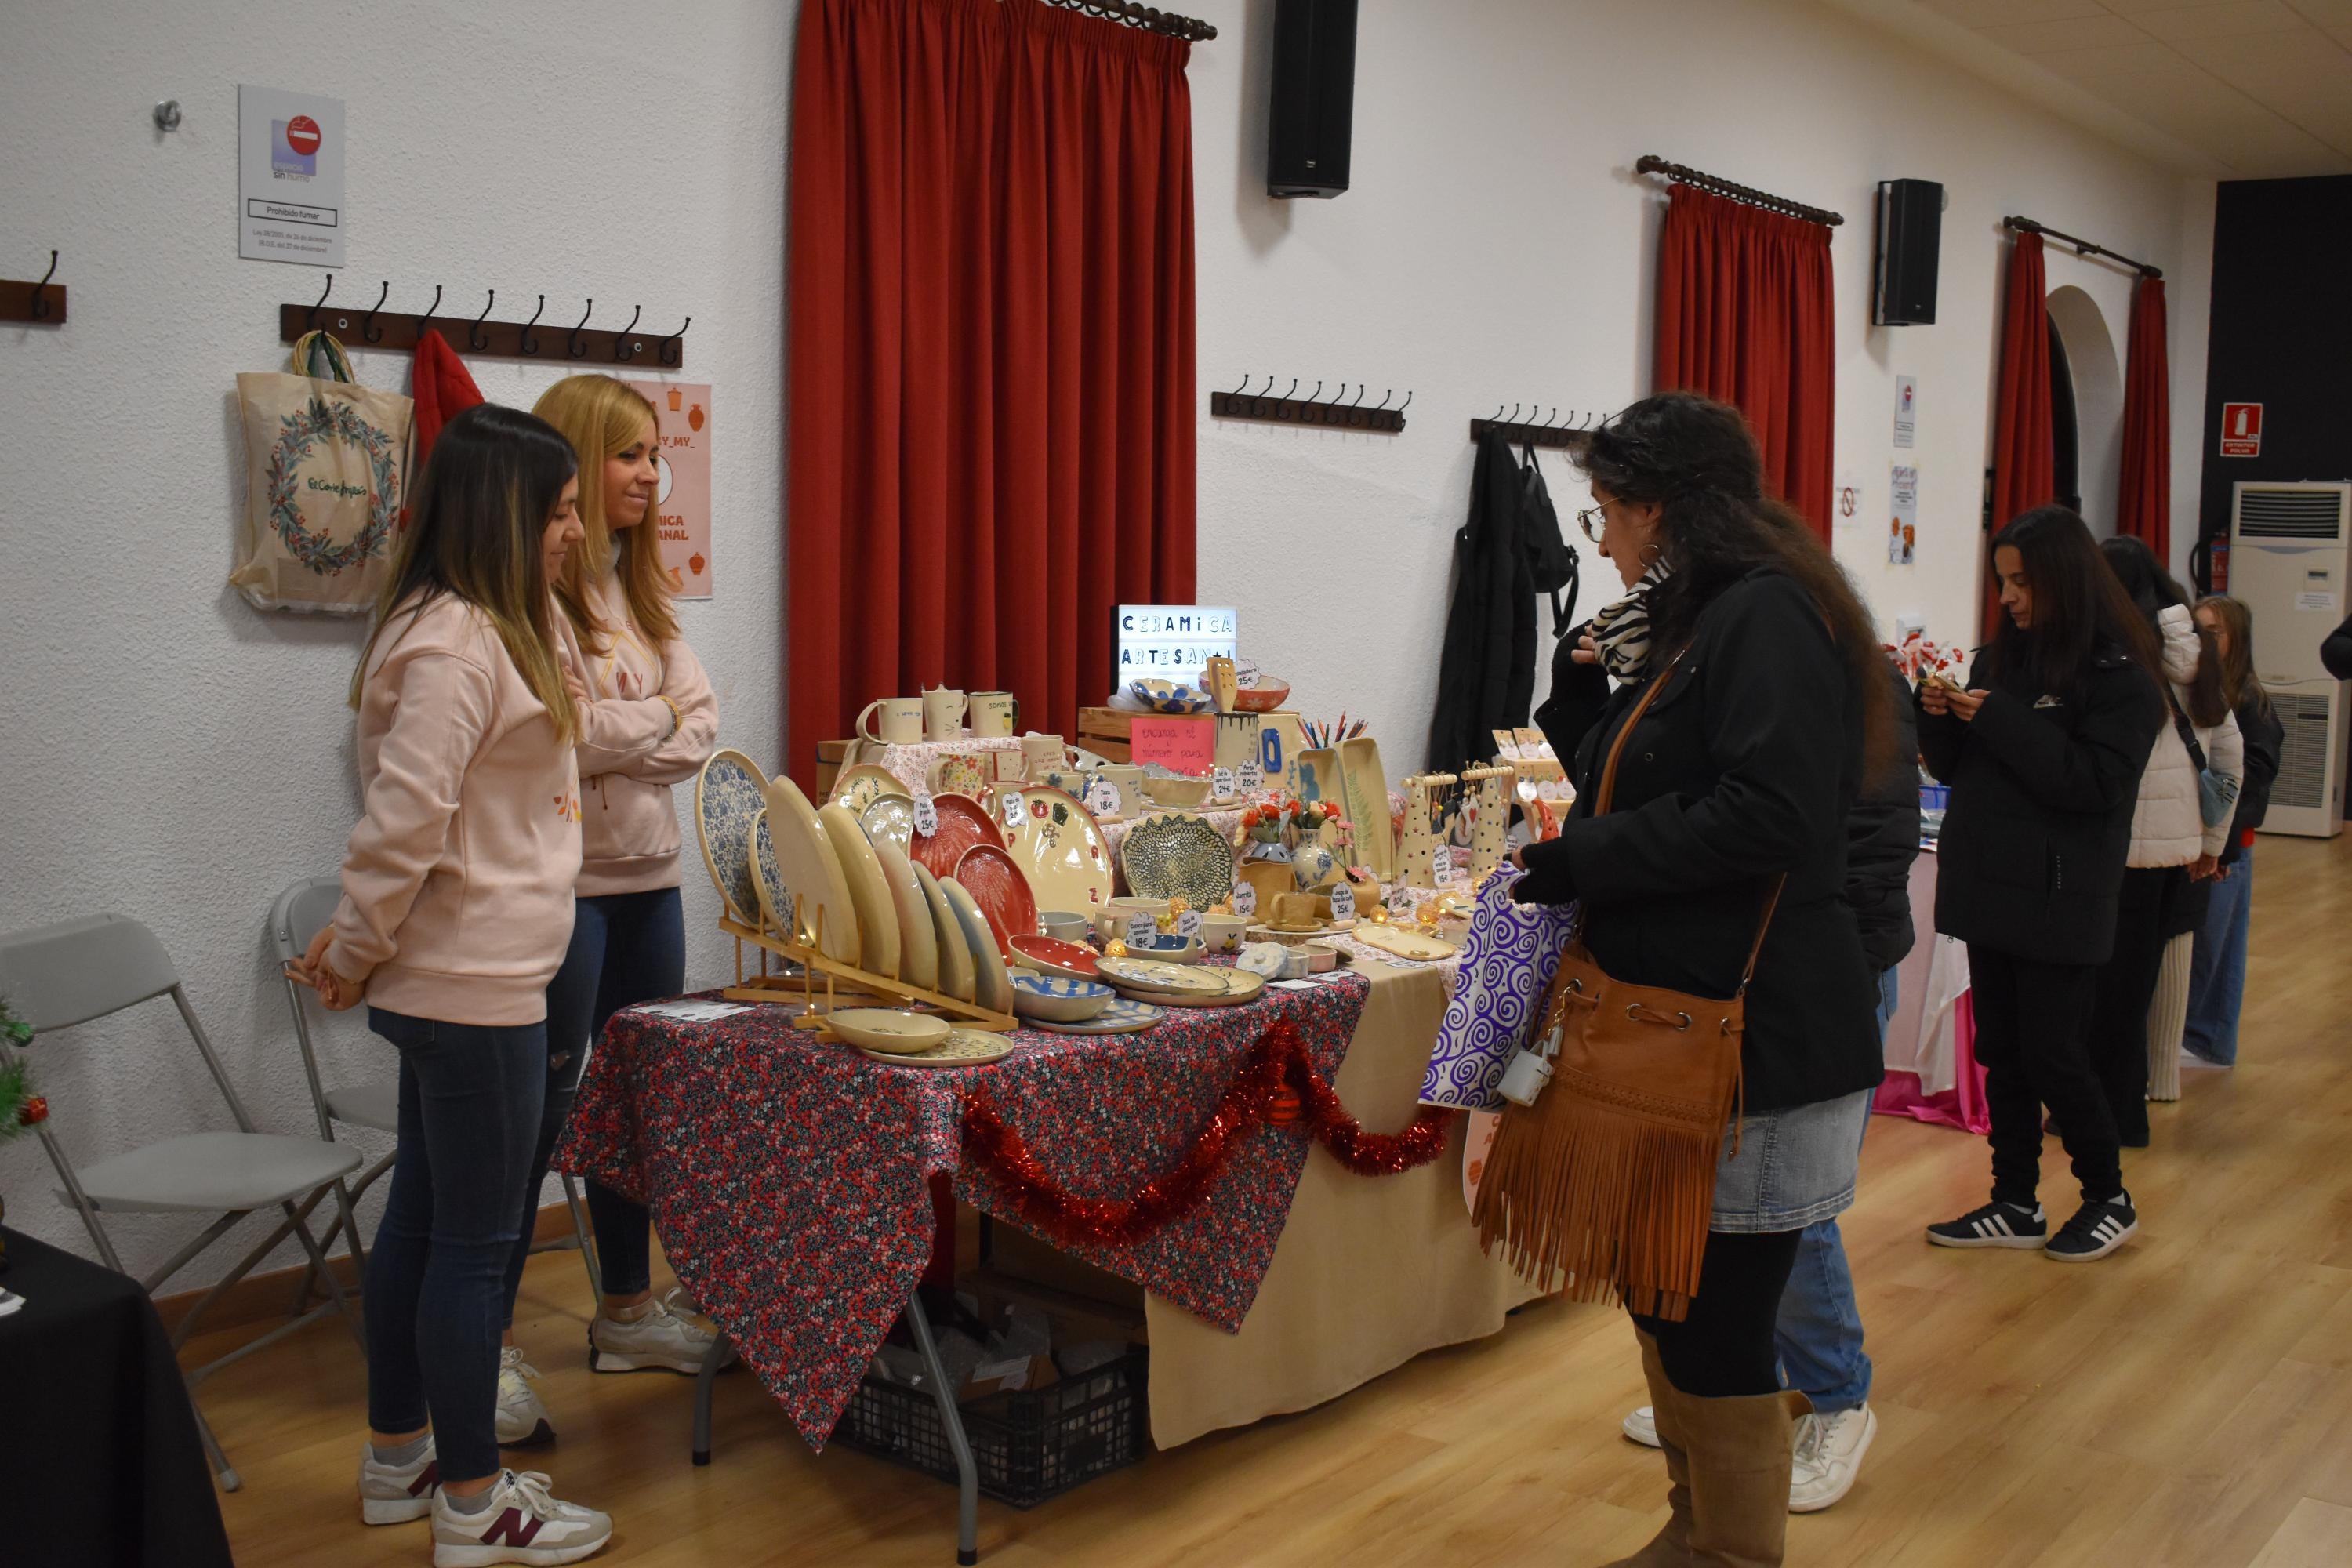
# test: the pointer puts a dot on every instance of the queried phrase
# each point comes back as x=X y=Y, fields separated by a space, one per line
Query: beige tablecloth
x=1369 y=1272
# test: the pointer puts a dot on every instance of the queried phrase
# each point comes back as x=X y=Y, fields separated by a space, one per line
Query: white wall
x=170 y=754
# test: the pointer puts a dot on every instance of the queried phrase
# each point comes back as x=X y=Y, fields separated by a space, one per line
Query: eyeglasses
x=1590 y=515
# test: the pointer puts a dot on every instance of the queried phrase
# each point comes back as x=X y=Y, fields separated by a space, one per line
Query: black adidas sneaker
x=2097 y=1230
x=1995 y=1225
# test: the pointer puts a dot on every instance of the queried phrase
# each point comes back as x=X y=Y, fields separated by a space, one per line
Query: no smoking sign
x=302 y=135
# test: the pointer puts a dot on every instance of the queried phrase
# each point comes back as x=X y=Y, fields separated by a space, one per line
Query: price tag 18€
x=1188 y=925
x=927 y=813
x=1245 y=898
x=1103 y=799
x=1343 y=901
x=1140 y=929
x=1223 y=783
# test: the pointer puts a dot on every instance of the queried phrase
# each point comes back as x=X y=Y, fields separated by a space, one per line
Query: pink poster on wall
x=682 y=505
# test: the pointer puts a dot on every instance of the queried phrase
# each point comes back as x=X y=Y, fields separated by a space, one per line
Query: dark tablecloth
x=102 y=1464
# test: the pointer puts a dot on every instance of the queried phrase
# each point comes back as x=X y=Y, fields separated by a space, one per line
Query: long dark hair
x=2239 y=685
x=2154 y=590
x=481 y=510
x=1697 y=460
x=2079 y=605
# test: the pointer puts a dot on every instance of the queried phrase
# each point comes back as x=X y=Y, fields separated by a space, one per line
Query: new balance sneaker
x=522 y=1419
x=2097 y=1230
x=660 y=1338
x=1828 y=1456
x=1643 y=1426
x=394 y=1494
x=1995 y=1225
x=523 y=1523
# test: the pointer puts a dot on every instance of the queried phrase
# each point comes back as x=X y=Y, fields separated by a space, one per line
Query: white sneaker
x=394 y=1494
x=1643 y=1426
x=661 y=1339
x=1828 y=1456
x=523 y=1523
x=522 y=1419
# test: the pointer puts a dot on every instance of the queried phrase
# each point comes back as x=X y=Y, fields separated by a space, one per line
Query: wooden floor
x=2187 y=1402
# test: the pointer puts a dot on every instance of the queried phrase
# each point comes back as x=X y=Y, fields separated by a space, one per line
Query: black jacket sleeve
x=1882 y=836
x=2095 y=766
x=2335 y=653
x=2265 y=741
x=1941 y=735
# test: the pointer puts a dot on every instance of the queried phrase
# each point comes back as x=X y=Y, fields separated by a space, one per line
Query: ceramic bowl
x=1223 y=933
x=1263 y=959
x=1063 y=998
x=1065 y=925
x=1169 y=696
x=1047 y=954
x=1181 y=794
x=1263 y=698
x=1169 y=948
x=1321 y=957
x=889 y=1029
x=1111 y=920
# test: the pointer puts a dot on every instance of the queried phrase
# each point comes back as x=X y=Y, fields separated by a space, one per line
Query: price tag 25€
x=1188 y=925
x=1245 y=898
x=927 y=813
x=1343 y=901
x=1140 y=929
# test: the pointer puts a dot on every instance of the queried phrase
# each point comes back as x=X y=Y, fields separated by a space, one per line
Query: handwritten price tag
x=927 y=814
x=1441 y=863
x=1140 y=929
x=1252 y=779
x=1245 y=898
x=1401 y=903
x=1343 y=901
x=1103 y=798
x=1223 y=783
x=1188 y=925
x=1012 y=808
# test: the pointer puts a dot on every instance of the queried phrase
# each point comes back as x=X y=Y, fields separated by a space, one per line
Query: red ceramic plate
x=997 y=886
x=1075 y=959
x=963 y=823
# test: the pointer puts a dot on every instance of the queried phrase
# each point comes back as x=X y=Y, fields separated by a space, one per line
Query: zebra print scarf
x=1623 y=630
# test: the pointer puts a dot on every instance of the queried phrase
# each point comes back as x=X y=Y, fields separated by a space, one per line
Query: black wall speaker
x=1910 y=227
x=1313 y=98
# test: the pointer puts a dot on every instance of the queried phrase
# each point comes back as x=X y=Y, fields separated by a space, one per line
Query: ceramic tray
x=1405 y=942
x=993 y=985
x=996 y=884
x=963 y=822
x=812 y=868
x=1321 y=776
x=728 y=793
x=1238 y=986
x=889 y=1029
x=877 y=917
x=961 y=1048
x=1177 y=855
x=862 y=785
x=957 y=977
x=1121 y=1018
x=1160 y=980
x=1367 y=784
x=1061 y=851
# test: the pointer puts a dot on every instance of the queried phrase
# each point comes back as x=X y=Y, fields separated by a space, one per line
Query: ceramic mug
x=901 y=723
x=1070 y=781
x=943 y=713
x=995 y=714
x=1041 y=754
x=1065 y=925
x=1129 y=780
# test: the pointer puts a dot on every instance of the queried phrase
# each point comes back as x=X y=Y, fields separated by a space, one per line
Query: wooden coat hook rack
x=1562 y=434
x=581 y=345
x=1337 y=415
x=43 y=303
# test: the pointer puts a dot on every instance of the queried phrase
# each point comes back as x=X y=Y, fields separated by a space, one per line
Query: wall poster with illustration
x=682 y=504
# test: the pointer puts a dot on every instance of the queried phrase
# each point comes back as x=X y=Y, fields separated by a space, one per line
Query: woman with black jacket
x=2217 y=964
x=2043 y=754
x=1741 y=771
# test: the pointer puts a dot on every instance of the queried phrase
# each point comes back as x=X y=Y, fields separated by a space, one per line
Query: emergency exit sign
x=2241 y=429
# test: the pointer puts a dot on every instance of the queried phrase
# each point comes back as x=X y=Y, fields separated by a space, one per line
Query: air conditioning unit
x=2290 y=562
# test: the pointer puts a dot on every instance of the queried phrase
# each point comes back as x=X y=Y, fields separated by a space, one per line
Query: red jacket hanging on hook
x=443 y=390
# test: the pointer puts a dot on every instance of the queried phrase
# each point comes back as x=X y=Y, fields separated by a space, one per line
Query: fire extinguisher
x=2216 y=568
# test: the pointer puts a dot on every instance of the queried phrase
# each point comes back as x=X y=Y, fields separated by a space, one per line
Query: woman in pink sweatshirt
x=647 y=720
x=455 y=913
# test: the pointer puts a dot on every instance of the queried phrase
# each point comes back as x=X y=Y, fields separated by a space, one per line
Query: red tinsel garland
x=1276 y=1076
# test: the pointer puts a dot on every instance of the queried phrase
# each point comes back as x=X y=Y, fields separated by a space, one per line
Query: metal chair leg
x=326 y=1272
x=951 y=1418
x=229 y=1480
x=585 y=1233
x=704 y=1380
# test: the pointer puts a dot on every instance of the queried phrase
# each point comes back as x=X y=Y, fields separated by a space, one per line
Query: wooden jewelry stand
x=1416 y=851
x=1493 y=816
x=861 y=985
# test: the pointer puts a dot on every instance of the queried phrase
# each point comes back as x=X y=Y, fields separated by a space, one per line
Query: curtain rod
x=1149 y=19
x=1650 y=164
x=2082 y=247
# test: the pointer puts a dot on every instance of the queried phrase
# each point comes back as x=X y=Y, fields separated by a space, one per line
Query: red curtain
x=1747 y=313
x=2024 y=461
x=2146 y=509
x=991 y=360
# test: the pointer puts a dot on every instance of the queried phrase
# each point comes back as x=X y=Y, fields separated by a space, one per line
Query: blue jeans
x=2217 y=966
x=626 y=948
x=1819 y=1330
x=469 y=1107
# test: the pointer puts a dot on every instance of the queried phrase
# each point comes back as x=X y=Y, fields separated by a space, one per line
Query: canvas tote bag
x=326 y=462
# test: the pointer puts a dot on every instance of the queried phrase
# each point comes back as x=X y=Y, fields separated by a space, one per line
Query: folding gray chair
x=71 y=973
x=297 y=916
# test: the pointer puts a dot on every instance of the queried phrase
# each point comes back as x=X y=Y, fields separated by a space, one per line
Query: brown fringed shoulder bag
x=1608 y=1178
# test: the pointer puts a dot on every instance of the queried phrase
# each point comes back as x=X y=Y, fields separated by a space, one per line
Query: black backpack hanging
x=1552 y=560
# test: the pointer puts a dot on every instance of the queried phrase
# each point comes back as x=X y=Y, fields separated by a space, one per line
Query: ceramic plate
x=991 y=986
x=1060 y=997
x=862 y=785
x=1163 y=979
x=729 y=792
x=956 y=972
x=1177 y=855
x=1405 y=943
x=890 y=819
x=1239 y=986
x=890 y=1029
x=1367 y=784
x=812 y=870
x=1169 y=697
x=1062 y=851
x=1052 y=955
x=1121 y=1018
x=963 y=822
x=962 y=772
x=1003 y=893
x=877 y=917
x=918 y=943
x=961 y=1048
x=776 y=896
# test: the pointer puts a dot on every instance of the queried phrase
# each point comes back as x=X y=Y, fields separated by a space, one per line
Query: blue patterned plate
x=1060 y=997
x=1169 y=696
x=1121 y=1018
x=729 y=795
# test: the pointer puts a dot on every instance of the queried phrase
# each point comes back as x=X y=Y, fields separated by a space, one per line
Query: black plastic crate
x=1028 y=1444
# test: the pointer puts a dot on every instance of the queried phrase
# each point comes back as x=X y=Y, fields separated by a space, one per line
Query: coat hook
x=635 y=349
x=1362 y=388
x=573 y=347
x=1406 y=403
x=1294 y=386
x=1243 y=387
x=428 y=312
x=368 y=327
x=40 y=305
x=525 y=342
x=1315 y=393
x=1386 y=393
x=669 y=353
x=474 y=339
x=321 y=299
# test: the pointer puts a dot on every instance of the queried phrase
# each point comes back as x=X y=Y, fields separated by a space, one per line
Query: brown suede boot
x=1670 y=1548
x=1738 y=1453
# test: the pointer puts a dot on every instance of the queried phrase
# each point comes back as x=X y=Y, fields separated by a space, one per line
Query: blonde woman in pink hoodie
x=457 y=911
x=647 y=720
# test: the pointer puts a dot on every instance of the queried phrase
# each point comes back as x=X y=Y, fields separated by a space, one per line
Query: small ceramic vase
x=1314 y=861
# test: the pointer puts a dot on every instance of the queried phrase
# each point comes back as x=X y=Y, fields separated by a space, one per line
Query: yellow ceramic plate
x=812 y=870
x=1160 y=980
x=1405 y=943
x=862 y=785
x=890 y=1029
x=961 y=1048
x=956 y=976
x=1240 y=985
x=1060 y=850
x=992 y=987
x=877 y=917
x=918 y=943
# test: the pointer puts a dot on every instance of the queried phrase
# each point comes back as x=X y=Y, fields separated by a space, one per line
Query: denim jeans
x=469 y=1107
x=626 y=948
x=1819 y=1330
x=2217 y=965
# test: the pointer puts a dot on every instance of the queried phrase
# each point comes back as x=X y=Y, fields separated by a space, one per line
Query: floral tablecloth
x=788 y=1175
